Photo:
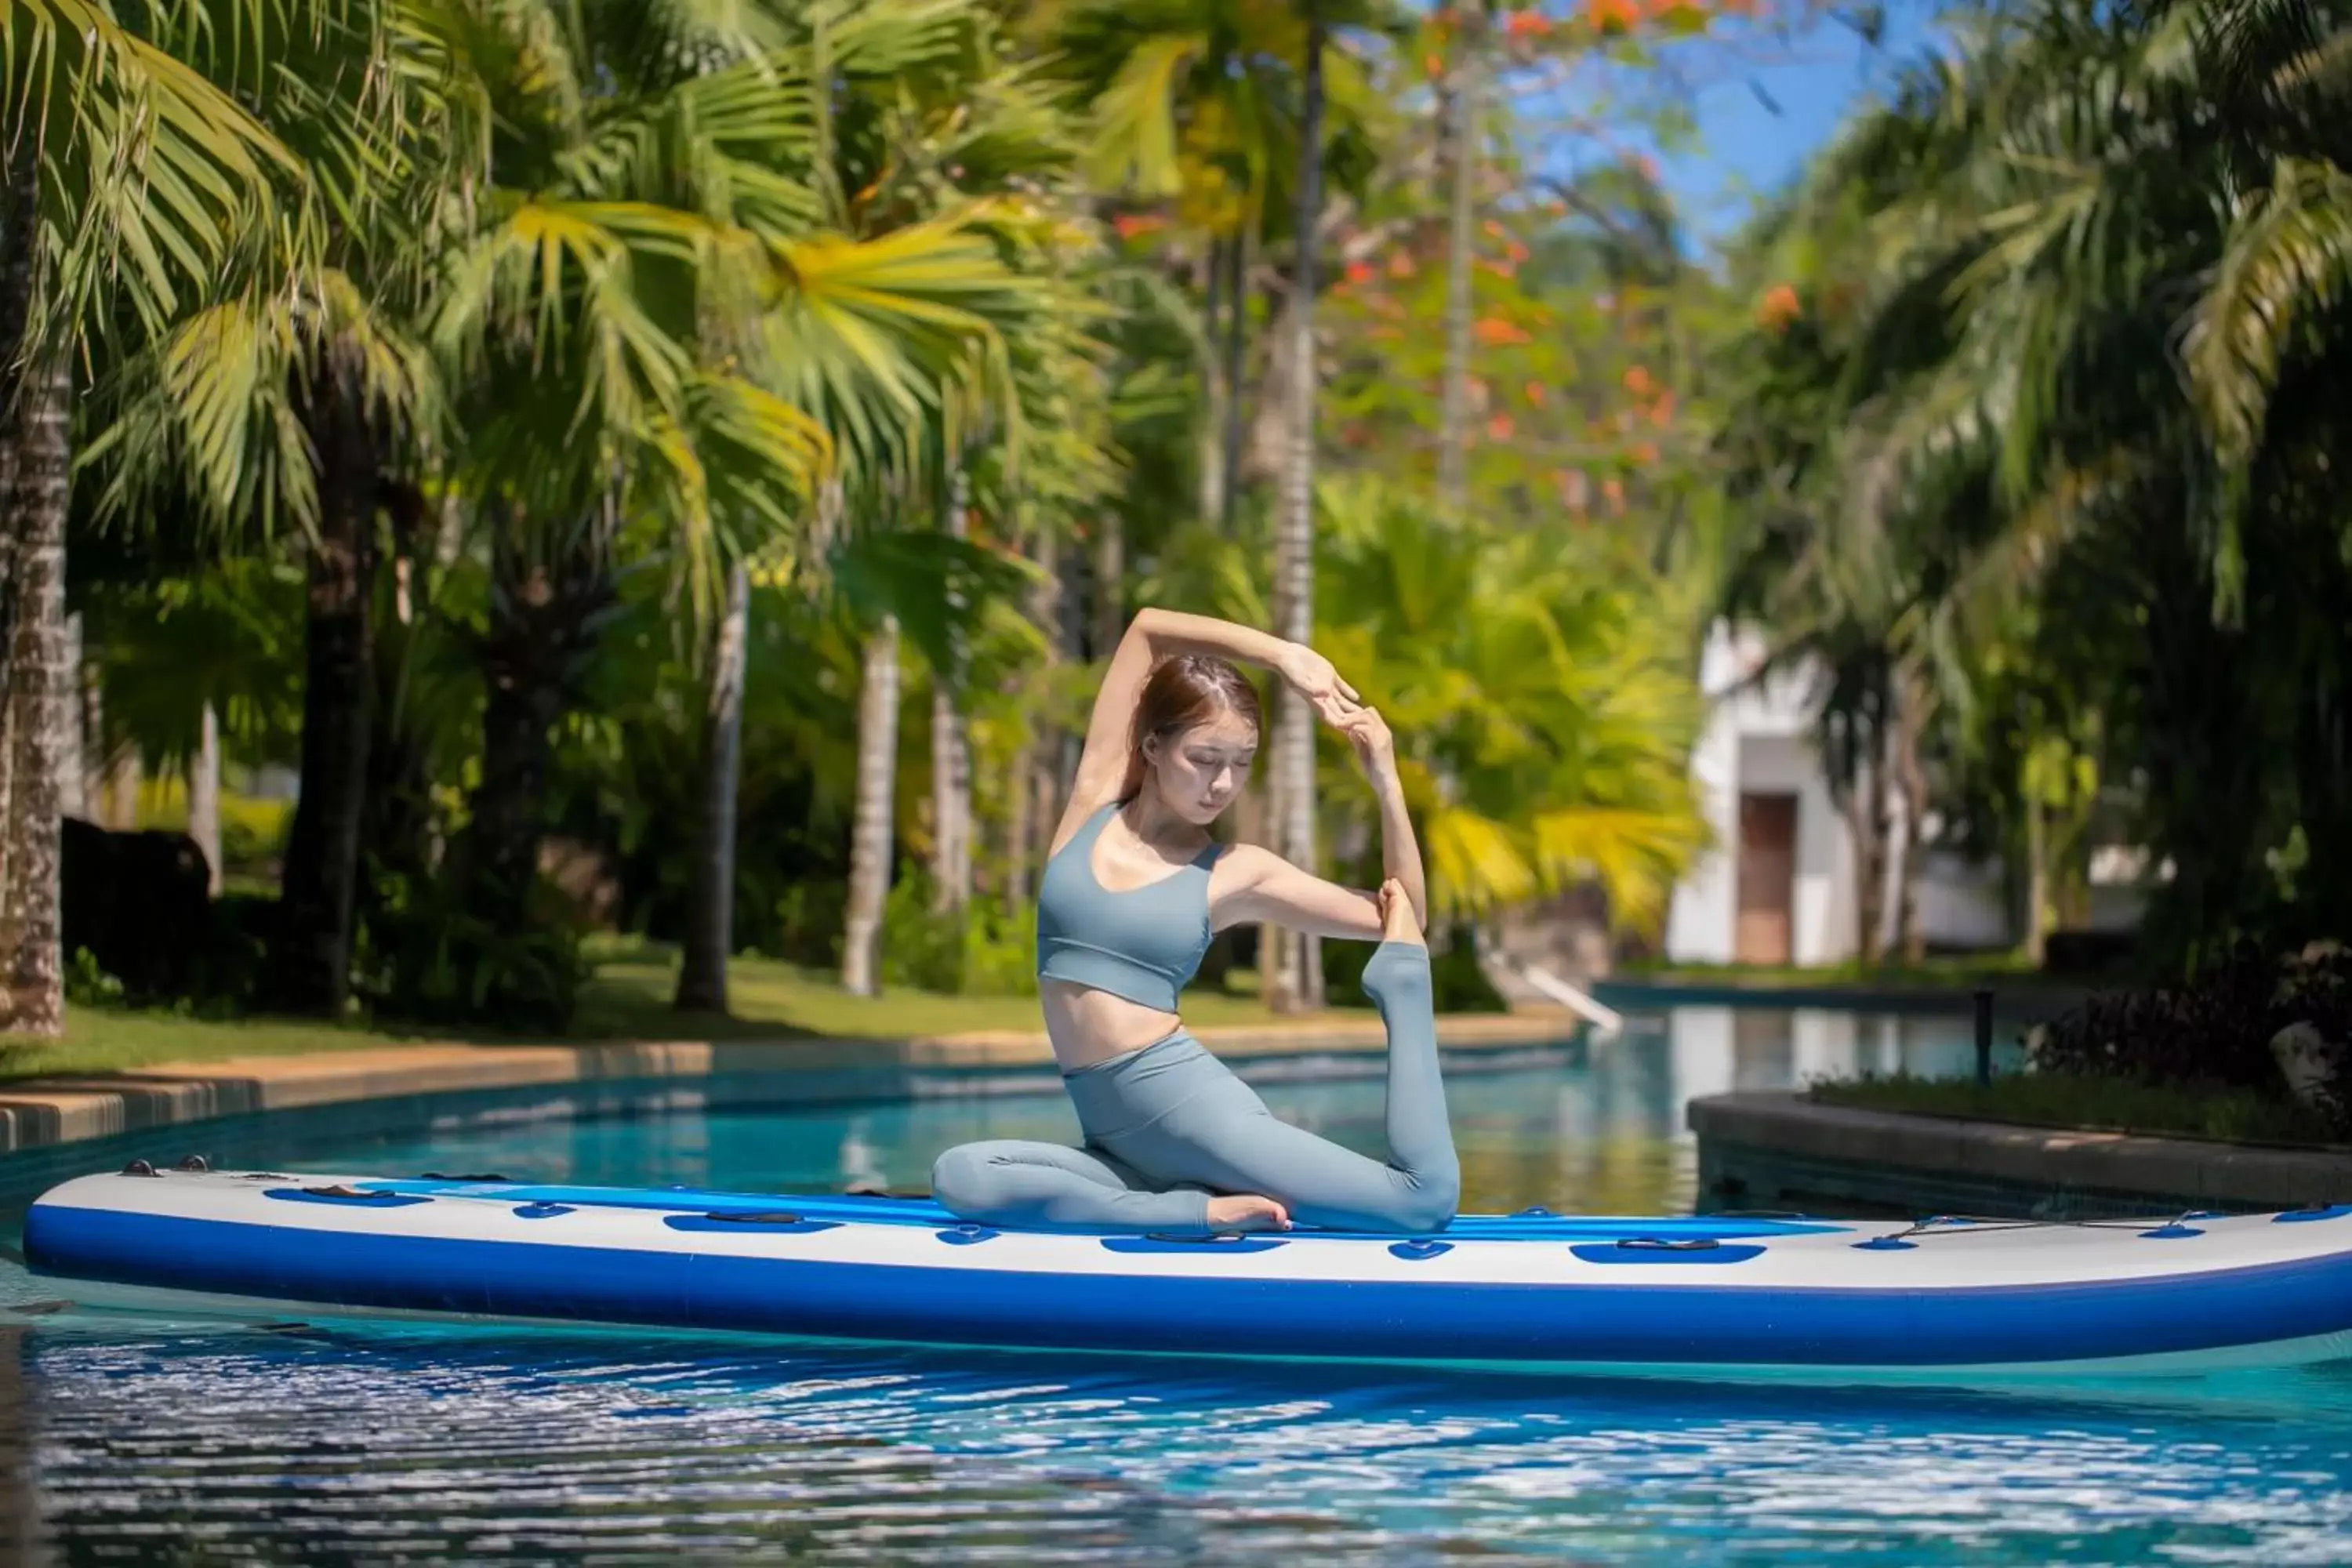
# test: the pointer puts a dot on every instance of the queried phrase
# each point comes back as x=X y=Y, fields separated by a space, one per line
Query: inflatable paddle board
x=1712 y=1294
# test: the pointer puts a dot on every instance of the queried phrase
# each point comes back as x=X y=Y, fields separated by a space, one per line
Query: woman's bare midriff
x=1088 y=1026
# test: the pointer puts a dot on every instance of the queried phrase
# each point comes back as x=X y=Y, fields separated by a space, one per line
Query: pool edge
x=36 y=1113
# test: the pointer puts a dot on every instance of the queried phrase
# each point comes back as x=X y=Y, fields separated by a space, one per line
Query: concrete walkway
x=42 y=1112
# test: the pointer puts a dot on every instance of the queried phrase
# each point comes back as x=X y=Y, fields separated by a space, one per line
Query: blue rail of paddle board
x=1213 y=1312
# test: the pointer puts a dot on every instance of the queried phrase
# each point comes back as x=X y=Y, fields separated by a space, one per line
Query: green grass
x=2085 y=1102
x=628 y=999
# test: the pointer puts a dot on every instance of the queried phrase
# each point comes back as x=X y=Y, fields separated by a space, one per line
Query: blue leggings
x=1168 y=1126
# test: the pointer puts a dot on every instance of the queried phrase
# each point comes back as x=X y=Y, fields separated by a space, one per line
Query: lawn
x=628 y=999
x=2080 y=1101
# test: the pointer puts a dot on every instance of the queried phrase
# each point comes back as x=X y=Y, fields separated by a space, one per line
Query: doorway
x=1763 y=931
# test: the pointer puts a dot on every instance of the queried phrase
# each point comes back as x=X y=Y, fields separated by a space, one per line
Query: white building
x=1779 y=887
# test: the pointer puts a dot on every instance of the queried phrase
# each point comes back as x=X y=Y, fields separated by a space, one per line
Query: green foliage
x=87 y=984
x=2038 y=431
x=978 y=949
x=1457 y=982
x=426 y=957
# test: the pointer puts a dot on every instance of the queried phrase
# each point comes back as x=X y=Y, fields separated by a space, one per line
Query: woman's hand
x=1312 y=675
x=1367 y=732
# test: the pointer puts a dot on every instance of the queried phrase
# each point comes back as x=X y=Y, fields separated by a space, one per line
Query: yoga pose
x=1133 y=890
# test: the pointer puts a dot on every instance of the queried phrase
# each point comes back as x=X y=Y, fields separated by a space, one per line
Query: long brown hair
x=1185 y=690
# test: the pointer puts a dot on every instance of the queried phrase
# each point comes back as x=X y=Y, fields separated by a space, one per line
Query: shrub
x=978 y=951
x=2214 y=1031
x=423 y=956
x=1457 y=981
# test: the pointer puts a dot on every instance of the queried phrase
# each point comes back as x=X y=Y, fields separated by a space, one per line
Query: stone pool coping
x=39 y=1112
x=1891 y=1152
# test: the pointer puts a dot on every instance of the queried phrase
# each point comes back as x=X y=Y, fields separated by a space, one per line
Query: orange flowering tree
x=1585 y=391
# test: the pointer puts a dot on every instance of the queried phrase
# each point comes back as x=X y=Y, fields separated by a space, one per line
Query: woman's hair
x=1183 y=691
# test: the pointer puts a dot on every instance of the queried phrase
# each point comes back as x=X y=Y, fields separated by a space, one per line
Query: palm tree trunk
x=74 y=796
x=1219 y=390
x=1910 y=780
x=1036 y=782
x=870 y=839
x=710 y=906
x=1293 y=572
x=952 y=749
x=543 y=635
x=2037 y=880
x=1866 y=819
x=43 y=732
x=125 y=772
x=1236 y=362
x=203 y=796
x=94 y=801
x=1111 y=582
x=311 y=953
x=1462 y=132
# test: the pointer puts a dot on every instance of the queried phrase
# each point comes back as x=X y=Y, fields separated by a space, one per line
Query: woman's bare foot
x=1247 y=1210
x=1397 y=922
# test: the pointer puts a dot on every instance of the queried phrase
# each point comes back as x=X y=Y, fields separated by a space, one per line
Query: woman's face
x=1201 y=770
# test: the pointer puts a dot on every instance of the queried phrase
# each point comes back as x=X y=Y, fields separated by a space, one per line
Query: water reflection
x=490 y=1445
x=20 y=1501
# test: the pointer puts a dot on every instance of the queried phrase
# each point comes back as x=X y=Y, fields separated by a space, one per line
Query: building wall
x=1760 y=740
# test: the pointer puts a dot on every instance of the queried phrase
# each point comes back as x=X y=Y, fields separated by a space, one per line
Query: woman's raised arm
x=1155 y=634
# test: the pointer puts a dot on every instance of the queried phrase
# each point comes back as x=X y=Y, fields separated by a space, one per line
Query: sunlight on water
x=184 y=1441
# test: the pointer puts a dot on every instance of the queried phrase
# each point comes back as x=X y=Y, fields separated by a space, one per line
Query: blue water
x=189 y=1441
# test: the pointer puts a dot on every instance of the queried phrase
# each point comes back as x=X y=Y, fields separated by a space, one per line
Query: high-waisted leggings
x=1169 y=1126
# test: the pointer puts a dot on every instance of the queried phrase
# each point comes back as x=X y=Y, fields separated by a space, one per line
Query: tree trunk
x=1218 y=390
x=1274 y=960
x=1910 y=779
x=951 y=748
x=75 y=796
x=1866 y=820
x=94 y=802
x=1293 y=572
x=710 y=905
x=1031 y=784
x=542 y=638
x=203 y=796
x=1237 y=297
x=311 y=951
x=125 y=774
x=44 y=729
x=1018 y=830
x=1462 y=135
x=869 y=842
x=2037 y=880
x=1109 y=583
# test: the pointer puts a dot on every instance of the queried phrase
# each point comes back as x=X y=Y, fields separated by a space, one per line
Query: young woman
x=1134 y=888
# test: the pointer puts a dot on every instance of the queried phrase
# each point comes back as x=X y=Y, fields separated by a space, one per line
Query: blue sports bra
x=1143 y=944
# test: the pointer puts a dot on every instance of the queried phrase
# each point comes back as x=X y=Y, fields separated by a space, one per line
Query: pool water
x=189 y=1441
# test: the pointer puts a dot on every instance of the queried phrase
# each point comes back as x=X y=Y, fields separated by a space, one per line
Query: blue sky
x=1743 y=145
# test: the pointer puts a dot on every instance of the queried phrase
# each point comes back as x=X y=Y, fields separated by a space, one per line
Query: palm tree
x=2035 y=229
x=952 y=743
x=134 y=176
x=1543 y=714
x=710 y=909
x=1296 y=966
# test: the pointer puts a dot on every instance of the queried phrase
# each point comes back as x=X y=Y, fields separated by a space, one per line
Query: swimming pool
x=187 y=1440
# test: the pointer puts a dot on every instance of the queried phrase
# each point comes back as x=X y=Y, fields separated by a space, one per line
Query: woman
x=1133 y=890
